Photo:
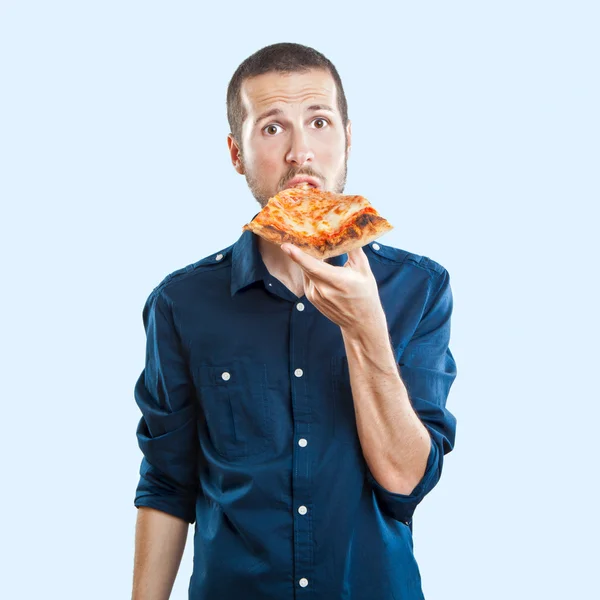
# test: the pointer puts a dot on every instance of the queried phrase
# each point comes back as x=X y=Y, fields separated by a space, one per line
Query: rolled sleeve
x=428 y=370
x=167 y=432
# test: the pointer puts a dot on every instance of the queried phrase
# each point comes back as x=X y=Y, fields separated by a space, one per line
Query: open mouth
x=302 y=184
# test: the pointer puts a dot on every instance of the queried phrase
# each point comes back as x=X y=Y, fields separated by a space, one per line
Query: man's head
x=288 y=117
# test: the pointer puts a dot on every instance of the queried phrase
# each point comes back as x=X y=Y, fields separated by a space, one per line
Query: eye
x=324 y=121
x=270 y=127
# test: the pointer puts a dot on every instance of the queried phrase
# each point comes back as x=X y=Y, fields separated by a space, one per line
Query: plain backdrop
x=475 y=132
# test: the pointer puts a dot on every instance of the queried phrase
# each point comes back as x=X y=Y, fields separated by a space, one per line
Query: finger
x=358 y=258
x=305 y=281
x=313 y=266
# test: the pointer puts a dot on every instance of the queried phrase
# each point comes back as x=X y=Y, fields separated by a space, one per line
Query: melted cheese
x=312 y=212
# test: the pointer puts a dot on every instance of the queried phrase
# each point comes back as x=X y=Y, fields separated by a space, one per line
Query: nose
x=299 y=152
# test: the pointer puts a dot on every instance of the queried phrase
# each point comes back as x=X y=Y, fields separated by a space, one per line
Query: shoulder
x=397 y=256
x=204 y=267
x=427 y=275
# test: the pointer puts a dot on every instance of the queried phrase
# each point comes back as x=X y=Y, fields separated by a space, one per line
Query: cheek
x=265 y=151
x=267 y=166
x=331 y=155
x=331 y=147
x=260 y=157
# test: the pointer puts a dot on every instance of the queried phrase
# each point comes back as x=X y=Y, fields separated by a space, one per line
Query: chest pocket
x=344 y=416
x=235 y=404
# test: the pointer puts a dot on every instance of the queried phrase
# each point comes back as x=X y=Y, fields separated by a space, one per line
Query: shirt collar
x=247 y=265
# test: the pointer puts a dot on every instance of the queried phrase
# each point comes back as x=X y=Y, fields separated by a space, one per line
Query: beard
x=262 y=196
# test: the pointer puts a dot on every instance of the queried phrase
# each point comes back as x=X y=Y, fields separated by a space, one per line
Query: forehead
x=263 y=91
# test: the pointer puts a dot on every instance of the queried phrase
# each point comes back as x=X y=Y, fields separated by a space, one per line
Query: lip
x=301 y=178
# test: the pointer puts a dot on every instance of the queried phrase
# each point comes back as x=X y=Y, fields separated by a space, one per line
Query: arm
x=394 y=442
x=167 y=435
x=401 y=418
x=159 y=543
x=404 y=426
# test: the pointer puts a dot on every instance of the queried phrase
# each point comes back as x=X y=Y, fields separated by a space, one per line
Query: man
x=293 y=409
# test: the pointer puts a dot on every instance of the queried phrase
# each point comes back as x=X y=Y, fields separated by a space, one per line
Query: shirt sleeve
x=167 y=432
x=428 y=370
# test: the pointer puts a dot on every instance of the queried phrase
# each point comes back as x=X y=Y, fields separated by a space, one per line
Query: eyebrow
x=277 y=111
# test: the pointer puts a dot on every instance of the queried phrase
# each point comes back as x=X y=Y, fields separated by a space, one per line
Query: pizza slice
x=322 y=224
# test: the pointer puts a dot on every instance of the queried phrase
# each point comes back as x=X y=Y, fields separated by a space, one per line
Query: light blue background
x=475 y=132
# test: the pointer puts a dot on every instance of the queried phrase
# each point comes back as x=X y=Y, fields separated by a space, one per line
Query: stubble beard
x=262 y=197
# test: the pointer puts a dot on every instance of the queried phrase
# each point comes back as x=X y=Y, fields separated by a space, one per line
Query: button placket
x=302 y=478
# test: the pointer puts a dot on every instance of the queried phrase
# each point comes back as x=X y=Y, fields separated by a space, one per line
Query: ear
x=235 y=153
x=349 y=130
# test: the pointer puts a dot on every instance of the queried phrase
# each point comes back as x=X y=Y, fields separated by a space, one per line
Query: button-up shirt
x=248 y=427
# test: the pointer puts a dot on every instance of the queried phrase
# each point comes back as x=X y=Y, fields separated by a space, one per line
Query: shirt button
x=219 y=256
x=376 y=247
x=303 y=582
x=226 y=376
x=300 y=306
x=298 y=372
x=270 y=284
x=302 y=442
x=302 y=510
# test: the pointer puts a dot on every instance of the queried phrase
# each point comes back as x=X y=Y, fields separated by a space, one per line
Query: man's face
x=293 y=127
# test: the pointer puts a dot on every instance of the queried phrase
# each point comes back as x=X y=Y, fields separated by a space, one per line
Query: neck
x=281 y=266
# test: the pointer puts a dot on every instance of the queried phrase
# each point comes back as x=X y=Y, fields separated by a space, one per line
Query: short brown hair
x=284 y=57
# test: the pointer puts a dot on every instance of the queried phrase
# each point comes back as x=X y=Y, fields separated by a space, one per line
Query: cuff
x=402 y=506
x=171 y=506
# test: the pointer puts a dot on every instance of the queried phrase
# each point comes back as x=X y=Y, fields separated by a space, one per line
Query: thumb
x=357 y=258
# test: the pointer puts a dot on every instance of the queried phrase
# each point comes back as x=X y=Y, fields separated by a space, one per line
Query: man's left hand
x=346 y=295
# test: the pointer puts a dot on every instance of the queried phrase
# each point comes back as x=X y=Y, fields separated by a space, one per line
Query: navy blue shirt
x=249 y=431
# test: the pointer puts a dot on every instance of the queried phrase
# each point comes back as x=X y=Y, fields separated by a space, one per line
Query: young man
x=293 y=409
